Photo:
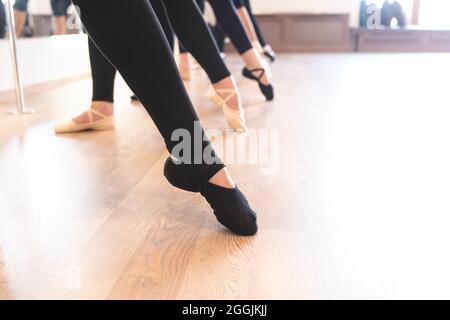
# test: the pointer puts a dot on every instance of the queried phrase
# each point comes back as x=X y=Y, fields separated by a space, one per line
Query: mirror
x=7 y=28
x=2 y=20
x=45 y=36
x=42 y=18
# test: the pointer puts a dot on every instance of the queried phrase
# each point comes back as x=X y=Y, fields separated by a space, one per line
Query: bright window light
x=435 y=13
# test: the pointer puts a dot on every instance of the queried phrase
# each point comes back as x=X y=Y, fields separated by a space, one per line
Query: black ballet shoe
x=267 y=90
x=230 y=206
x=134 y=98
x=270 y=54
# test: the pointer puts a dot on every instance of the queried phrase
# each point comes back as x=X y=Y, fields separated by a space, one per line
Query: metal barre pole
x=13 y=45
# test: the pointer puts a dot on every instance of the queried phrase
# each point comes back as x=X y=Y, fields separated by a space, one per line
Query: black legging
x=59 y=7
x=103 y=75
x=188 y=23
x=149 y=70
x=2 y=21
x=230 y=23
x=161 y=13
x=201 y=7
x=391 y=11
x=246 y=3
x=219 y=36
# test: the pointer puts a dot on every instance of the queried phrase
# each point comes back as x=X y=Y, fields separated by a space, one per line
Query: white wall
x=309 y=6
x=45 y=59
x=55 y=58
x=267 y=6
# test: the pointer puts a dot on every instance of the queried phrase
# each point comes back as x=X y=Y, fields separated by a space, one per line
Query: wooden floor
x=360 y=206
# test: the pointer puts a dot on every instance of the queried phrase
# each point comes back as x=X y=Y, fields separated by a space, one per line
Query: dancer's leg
x=2 y=21
x=215 y=30
x=230 y=23
x=149 y=69
x=103 y=79
x=191 y=29
x=246 y=11
x=161 y=13
x=259 y=34
x=201 y=6
x=219 y=36
x=151 y=73
x=99 y=115
x=59 y=9
x=247 y=23
x=103 y=73
x=193 y=33
x=20 y=15
x=184 y=59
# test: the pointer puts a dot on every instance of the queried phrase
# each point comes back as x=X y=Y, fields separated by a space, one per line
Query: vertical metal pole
x=13 y=44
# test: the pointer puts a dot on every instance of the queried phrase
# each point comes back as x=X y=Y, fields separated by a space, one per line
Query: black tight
x=140 y=52
x=201 y=6
x=219 y=36
x=161 y=13
x=2 y=21
x=190 y=28
x=103 y=75
x=246 y=3
x=231 y=24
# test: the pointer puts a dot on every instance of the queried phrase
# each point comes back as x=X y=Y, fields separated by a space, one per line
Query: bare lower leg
x=184 y=66
x=253 y=60
x=60 y=25
x=250 y=30
x=104 y=107
x=223 y=179
x=20 y=17
x=227 y=84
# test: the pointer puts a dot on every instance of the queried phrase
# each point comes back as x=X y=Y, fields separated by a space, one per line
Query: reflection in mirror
x=42 y=18
x=31 y=62
x=2 y=20
x=8 y=16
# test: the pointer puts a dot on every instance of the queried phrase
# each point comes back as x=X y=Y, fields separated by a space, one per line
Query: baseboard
x=307 y=32
x=332 y=33
x=403 y=40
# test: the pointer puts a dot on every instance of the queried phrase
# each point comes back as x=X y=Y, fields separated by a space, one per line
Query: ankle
x=105 y=107
x=184 y=60
x=226 y=83
x=225 y=88
x=223 y=179
x=254 y=61
x=251 y=59
x=257 y=46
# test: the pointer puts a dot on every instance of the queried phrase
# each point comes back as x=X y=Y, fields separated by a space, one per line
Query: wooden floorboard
x=357 y=204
